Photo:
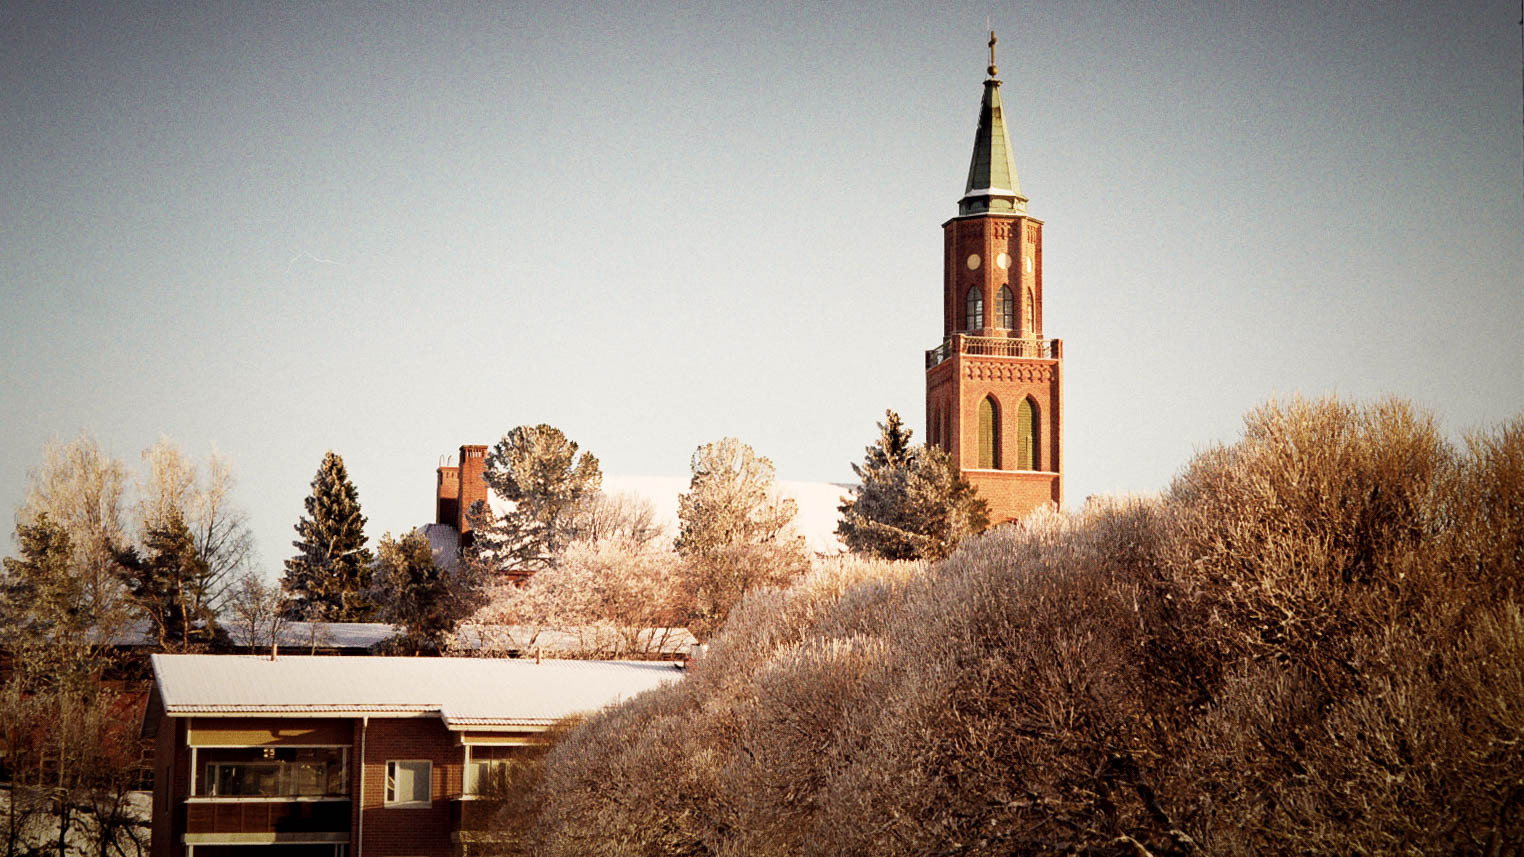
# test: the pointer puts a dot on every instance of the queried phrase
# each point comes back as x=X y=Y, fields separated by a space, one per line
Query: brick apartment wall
x=171 y=782
x=407 y=832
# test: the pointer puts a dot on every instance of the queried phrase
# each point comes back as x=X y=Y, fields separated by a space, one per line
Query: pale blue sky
x=281 y=228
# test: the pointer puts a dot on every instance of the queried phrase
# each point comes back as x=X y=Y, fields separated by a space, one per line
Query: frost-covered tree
x=538 y=471
x=173 y=486
x=257 y=609
x=80 y=488
x=329 y=578
x=731 y=500
x=912 y=502
x=734 y=532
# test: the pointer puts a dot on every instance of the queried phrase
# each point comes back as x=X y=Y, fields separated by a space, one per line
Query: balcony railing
x=266 y=816
x=992 y=346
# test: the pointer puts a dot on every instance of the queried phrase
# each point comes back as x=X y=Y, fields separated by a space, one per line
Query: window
x=407 y=783
x=496 y=770
x=1026 y=435
x=989 y=434
x=273 y=772
x=1007 y=308
x=1030 y=321
x=975 y=315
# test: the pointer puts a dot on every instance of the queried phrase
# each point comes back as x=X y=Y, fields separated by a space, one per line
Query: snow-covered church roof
x=817 y=501
x=816 y=519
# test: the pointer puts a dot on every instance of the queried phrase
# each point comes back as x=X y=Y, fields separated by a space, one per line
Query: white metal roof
x=475 y=692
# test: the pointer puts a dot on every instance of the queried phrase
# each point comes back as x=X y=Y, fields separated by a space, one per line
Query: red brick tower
x=994 y=386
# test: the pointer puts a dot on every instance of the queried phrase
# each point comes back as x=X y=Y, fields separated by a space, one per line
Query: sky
x=275 y=229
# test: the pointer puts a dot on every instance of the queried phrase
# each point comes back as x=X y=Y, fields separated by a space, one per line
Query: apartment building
x=357 y=756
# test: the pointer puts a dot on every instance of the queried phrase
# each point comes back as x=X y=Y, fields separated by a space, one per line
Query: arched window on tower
x=1030 y=316
x=936 y=425
x=1007 y=308
x=975 y=306
x=989 y=434
x=1028 y=435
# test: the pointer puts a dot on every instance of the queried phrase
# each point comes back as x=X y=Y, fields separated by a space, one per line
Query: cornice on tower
x=993 y=187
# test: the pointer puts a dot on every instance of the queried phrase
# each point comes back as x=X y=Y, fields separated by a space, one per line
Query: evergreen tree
x=167 y=581
x=45 y=618
x=912 y=503
x=329 y=578
x=426 y=599
x=538 y=470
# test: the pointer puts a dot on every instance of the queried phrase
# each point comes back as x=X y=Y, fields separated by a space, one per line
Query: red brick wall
x=447 y=496
x=409 y=832
x=988 y=236
x=171 y=782
x=955 y=388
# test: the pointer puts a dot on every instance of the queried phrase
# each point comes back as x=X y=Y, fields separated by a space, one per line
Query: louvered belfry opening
x=1027 y=429
x=989 y=434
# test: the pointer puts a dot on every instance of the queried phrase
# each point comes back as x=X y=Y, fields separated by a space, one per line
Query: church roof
x=992 y=183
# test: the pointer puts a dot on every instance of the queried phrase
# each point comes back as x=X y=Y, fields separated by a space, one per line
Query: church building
x=994 y=390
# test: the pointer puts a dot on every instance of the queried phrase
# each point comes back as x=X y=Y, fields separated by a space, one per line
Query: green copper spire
x=992 y=183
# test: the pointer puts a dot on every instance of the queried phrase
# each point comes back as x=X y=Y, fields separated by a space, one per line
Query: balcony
x=993 y=346
x=470 y=814
x=262 y=819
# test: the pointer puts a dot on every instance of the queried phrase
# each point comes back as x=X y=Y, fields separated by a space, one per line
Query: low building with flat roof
x=302 y=756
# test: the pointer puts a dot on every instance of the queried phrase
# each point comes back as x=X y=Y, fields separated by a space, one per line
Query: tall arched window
x=1027 y=435
x=989 y=434
x=936 y=425
x=1031 y=314
x=975 y=303
x=947 y=428
x=1007 y=308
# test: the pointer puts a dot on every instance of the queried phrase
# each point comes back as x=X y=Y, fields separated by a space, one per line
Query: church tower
x=994 y=386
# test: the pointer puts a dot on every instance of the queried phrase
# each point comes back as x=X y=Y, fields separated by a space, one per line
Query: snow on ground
x=41 y=831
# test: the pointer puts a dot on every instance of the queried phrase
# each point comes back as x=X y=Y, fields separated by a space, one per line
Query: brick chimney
x=471 y=486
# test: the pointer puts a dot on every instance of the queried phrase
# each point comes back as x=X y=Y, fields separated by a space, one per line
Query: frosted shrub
x=1312 y=644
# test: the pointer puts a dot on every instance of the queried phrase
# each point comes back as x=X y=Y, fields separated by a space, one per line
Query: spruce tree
x=329 y=578
x=912 y=503
x=424 y=598
x=167 y=581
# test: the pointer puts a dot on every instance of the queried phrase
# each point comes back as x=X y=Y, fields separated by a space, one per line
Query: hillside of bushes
x=1311 y=643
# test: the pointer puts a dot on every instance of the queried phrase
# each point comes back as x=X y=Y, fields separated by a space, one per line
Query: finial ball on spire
x=993 y=71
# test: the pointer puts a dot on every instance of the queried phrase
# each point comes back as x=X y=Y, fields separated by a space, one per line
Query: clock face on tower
x=1003 y=261
x=973 y=261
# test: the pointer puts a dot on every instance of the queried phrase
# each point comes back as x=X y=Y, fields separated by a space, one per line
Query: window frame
x=1006 y=300
x=389 y=787
x=973 y=309
x=203 y=778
